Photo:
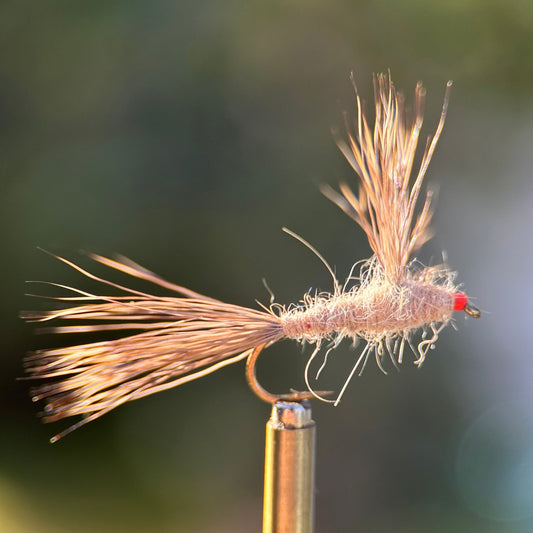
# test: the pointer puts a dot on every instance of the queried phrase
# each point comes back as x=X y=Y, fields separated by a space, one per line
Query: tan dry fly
x=394 y=302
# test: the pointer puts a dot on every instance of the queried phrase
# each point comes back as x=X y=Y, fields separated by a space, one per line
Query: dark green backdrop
x=185 y=135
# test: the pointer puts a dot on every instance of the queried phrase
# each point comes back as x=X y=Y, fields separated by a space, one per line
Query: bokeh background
x=184 y=135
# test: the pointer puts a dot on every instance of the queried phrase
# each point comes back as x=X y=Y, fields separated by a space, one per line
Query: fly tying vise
x=176 y=339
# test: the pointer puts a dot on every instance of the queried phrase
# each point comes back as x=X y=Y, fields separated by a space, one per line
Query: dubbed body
x=376 y=311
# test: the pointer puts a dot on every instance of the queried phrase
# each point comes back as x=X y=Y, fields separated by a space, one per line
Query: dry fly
x=388 y=303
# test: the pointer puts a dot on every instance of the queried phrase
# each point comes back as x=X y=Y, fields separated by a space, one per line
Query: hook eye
x=472 y=311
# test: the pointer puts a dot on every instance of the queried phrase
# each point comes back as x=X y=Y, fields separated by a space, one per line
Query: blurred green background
x=185 y=135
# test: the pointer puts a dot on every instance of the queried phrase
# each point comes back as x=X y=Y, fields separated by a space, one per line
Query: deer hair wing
x=386 y=204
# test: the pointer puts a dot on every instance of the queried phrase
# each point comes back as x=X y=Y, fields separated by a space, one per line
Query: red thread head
x=460 y=301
